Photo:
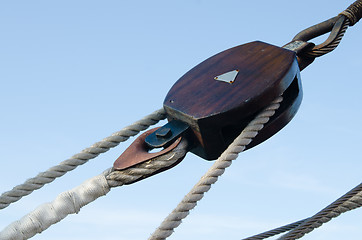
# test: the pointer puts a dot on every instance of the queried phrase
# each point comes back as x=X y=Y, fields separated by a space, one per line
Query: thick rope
x=50 y=213
x=72 y=201
x=78 y=159
x=353 y=12
x=189 y=202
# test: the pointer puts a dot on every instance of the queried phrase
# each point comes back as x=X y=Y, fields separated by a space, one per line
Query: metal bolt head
x=163 y=132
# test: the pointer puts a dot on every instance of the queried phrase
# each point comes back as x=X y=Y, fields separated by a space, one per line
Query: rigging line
x=72 y=201
x=336 y=25
x=353 y=12
x=330 y=44
x=349 y=201
x=276 y=231
x=189 y=202
x=353 y=199
x=84 y=156
x=101 y=147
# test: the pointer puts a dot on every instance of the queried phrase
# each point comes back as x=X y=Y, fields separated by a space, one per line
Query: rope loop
x=336 y=26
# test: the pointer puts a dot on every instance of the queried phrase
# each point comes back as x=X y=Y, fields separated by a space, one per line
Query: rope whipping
x=353 y=12
x=84 y=156
x=72 y=201
x=189 y=202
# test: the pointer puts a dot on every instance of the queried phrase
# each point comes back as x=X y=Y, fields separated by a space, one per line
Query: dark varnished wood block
x=217 y=111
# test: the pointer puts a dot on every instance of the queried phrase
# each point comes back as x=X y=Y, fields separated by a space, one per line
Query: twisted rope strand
x=353 y=12
x=148 y=168
x=78 y=159
x=174 y=219
x=275 y=231
x=318 y=52
x=72 y=201
x=351 y=16
x=349 y=201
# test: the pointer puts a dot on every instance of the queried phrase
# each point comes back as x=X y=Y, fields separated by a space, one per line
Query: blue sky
x=73 y=72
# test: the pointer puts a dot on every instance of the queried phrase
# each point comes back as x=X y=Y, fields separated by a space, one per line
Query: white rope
x=78 y=159
x=189 y=202
x=50 y=213
x=72 y=201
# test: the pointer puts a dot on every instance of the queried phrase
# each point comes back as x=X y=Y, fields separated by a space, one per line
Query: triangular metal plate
x=228 y=77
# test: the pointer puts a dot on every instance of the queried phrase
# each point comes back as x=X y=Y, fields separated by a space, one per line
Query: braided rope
x=78 y=159
x=72 y=201
x=189 y=202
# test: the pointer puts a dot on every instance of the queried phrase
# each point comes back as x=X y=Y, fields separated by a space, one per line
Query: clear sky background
x=73 y=72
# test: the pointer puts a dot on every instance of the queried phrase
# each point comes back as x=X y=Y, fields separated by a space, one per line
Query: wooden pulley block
x=221 y=95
